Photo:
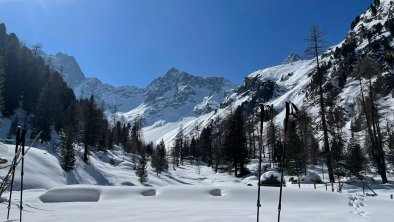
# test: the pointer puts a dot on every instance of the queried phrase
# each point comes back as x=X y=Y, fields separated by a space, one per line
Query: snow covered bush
x=270 y=178
x=311 y=178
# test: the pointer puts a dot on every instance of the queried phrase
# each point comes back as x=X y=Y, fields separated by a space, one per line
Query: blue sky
x=130 y=42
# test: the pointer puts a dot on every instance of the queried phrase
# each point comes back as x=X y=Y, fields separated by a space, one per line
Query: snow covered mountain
x=179 y=94
x=180 y=100
x=67 y=65
x=293 y=57
x=168 y=98
x=112 y=98
x=371 y=34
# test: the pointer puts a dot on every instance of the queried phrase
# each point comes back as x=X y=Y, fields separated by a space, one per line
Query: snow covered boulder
x=250 y=180
x=71 y=194
x=311 y=178
x=270 y=178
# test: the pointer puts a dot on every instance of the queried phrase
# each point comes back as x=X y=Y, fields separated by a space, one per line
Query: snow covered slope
x=229 y=203
x=179 y=94
x=180 y=100
x=370 y=36
x=123 y=98
x=195 y=193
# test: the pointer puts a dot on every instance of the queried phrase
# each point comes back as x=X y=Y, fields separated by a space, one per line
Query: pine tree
x=272 y=137
x=205 y=145
x=67 y=149
x=178 y=149
x=89 y=127
x=217 y=148
x=141 y=170
x=295 y=151
x=315 y=48
x=136 y=143
x=336 y=123
x=42 y=119
x=117 y=133
x=367 y=68
x=234 y=144
x=159 y=161
x=193 y=149
x=356 y=158
x=2 y=89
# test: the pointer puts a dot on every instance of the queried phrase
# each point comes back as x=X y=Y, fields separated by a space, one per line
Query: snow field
x=190 y=193
x=196 y=203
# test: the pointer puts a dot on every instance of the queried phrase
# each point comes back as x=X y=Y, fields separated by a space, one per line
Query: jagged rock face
x=293 y=57
x=186 y=94
x=120 y=99
x=179 y=87
x=177 y=94
x=67 y=66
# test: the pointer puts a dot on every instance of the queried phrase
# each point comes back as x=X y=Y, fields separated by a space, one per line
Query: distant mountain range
x=181 y=100
x=167 y=98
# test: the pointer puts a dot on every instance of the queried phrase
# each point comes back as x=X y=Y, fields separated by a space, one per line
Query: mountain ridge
x=170 y=101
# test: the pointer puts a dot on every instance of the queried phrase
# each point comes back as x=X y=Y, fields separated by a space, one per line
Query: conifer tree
x=67 y=149
x=294 y=153
x=159 y=161
x=89 y=127
x=217 y=153
x=367 y=68
x=272 y=137
x=178 y=149
x=234 y=144
x=205 y=145
x=136 y=143
x=193 y=149
x=316 y=47
x=2 y=89
x=336 y=122
x=356 y=158
x=141 y=170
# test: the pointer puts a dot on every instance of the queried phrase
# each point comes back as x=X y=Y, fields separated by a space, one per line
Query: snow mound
x=71 y=194
x=149 y=193
x=127 y=183
x=216 y=192
x=311 y=178
x=249 y=180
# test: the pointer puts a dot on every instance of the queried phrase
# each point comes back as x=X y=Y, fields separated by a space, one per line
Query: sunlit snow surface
x=189 y=193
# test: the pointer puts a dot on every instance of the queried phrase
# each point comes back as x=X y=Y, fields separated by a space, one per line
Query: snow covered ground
x=110 y=191
x=235 y=202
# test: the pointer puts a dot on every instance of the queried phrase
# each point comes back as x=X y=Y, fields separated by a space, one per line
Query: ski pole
x=22 y=171
x=17 y=140
x=260 y=146
x=292 y=110
x=283 y=159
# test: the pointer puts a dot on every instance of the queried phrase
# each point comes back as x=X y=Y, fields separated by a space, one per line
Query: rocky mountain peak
x=292 y=57
x=67 y=66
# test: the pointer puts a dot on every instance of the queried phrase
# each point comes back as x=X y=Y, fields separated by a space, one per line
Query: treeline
x=221 y=145
x=48 y=105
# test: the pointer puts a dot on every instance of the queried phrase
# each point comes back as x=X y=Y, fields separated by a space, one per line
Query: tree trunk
x=378 y=151
x=85 y=153
x=325 y=131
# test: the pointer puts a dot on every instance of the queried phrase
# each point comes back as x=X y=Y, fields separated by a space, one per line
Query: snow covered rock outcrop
x=121 y=99
x=67 y=66
x=293 y=57
x=179 y=94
